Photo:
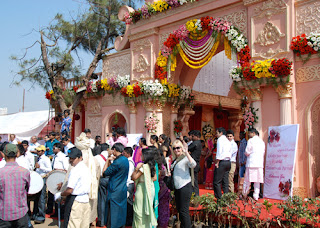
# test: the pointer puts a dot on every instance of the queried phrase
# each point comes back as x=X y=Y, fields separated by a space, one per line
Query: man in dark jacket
x=195 y=149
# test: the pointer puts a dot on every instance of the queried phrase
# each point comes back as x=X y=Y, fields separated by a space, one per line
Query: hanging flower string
x=250 y=118
x=178 y=127
x=151 y=123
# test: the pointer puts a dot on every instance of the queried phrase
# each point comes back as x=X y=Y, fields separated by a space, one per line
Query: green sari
x=144 y=216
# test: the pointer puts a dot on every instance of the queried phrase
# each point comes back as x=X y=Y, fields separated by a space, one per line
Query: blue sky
x=18 y=19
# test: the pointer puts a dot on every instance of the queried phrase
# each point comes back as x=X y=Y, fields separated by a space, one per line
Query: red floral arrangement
x=48 y=95
x=172 y=41
x=273 y=135
x=124 y=91
x=205 y=22
x=137 y=90
x=136 y=16
x=244 y=56
x=177 y=127
x=281 y=67
x=160 y=72
x=248 y=74
x=300 y=46
x=75 y=88
x=285 y=188
x=98 y=84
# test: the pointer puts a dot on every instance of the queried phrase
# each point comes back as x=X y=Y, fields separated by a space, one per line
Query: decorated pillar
x=186 y=113
x=159 y=105
x=148 y=105
x=133 y=117
x=235 y=119
x=285 y=96
x=173 y=117
x=256 y=98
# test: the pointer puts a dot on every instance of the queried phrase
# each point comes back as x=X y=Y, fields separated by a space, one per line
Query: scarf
x=83 y=144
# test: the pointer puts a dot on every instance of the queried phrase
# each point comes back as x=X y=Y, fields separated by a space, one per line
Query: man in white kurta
x=234 y=151
x=254 y=167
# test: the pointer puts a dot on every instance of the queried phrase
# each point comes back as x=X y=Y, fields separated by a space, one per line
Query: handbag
x=168 y=180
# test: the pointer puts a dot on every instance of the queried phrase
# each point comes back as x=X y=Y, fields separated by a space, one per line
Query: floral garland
x=178 y=127
x=250 y=118
x=302 y=45
x=151 y=123
x=150 y=9
x=197 y=41
x=207 y=131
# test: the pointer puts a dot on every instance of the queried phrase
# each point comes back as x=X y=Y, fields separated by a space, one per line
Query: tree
x=62 y=42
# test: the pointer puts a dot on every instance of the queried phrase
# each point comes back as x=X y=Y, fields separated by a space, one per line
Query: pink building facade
x=269 y=27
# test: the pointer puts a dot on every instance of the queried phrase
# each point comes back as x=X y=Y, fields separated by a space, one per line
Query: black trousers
x=19 y=223
x=221 y=175
x=182 y=197
x=196 y=184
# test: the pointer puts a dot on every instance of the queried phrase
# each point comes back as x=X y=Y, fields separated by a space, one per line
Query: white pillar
x=132 y=117
x=173 y=117
x=256 y=98
x=148 y=105
x=285 y=96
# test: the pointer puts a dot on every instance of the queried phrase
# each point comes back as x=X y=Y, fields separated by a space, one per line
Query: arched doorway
x=115 y=120
x=313 y=140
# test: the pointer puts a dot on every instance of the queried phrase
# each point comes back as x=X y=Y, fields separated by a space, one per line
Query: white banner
x=280 y=160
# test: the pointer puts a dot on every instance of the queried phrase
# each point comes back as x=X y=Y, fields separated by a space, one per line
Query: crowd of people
x=119 y=186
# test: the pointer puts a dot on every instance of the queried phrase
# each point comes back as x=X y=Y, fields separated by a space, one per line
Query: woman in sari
x=164 y=193
x=138 y=151
x=144 y=175
x=154 y=141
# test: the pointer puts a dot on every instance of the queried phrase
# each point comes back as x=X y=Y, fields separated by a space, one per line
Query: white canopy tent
x=24 y=124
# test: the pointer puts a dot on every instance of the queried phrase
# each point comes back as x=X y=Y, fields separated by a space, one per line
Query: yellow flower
x=173 y=90
x=191 y=25
x=105 y=85
x=261 y=69
x=160 y=6
x=51 y=92
x=164 y=81
x=161 y=60
x=130 y=91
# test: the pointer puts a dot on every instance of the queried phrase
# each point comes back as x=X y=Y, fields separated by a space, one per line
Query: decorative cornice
x=255 y=94
x=159 y=105
x=132 y=107
x=214 y=100
x=146 y=33
x=308 y=74
x=284 y=91
x=174 y=108
x=148 y=105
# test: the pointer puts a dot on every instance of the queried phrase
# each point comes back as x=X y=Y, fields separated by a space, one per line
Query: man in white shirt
x=254 y=167
x=130 y=184
x=88 y=134
x=33 y=144
x=13 y=139
x=77 y=207
x=60 y=161
x=67 y=144
x=234 y=151
x=223 y=164
x=43 y=167
x=103 y=184
x=28 y=155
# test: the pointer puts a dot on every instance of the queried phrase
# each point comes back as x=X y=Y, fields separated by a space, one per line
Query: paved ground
x=49 y=222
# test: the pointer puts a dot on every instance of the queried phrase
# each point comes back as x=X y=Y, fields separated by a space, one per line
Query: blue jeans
x=242 y=170
x=39 y=209
x=102 y=199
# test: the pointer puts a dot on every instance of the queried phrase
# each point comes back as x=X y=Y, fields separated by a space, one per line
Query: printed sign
x=280 y=160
